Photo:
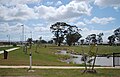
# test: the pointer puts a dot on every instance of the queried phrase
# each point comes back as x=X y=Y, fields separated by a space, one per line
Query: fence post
x=113 y=59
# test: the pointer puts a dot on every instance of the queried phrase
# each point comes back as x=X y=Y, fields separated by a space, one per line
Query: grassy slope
x=101 y=49
x=46 y=56
x=59 y=73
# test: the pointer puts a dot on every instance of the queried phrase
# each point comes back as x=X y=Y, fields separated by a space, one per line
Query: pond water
x=76 y=59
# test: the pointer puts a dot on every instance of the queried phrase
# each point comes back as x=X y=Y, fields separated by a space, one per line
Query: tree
x=37 y=45
x=111 y=39
x=90 y=57
x=82 y=41
x=29 y=40
x=50 y=41
x=72 y=38
x=38 y=42
x=58 y=29
x=43 y=41
x=72 y=35
x=99 y=39
x=91 y=39
x=88 y=39
x=117 y=34
x=63 y=31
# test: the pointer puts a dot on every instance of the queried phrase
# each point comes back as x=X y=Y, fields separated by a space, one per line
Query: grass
x=59 y=73
x=101 y=49
x=46 y=56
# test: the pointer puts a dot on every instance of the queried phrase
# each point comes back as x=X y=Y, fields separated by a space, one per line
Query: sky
x=91 y=16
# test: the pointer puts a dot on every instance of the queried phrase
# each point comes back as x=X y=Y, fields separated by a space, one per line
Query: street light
x=22 y=37
x=22 y=34
x=8 y=39
x=31 y=33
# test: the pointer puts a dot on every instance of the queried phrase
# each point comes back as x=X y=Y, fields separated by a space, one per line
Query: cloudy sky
x=92 y=16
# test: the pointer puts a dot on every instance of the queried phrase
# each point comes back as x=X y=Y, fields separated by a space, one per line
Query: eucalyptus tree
x=88 y=39
x=29 y=40
x=63 y=31
x=58 y=29
x=91 y=38
x=39 y=41
x=82 y=41
x=99 y=39
x=117 y=34
x=90 y=57
x=72 y=35
x=111 y=39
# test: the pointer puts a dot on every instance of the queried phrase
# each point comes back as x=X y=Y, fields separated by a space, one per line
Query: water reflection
x=76 y=59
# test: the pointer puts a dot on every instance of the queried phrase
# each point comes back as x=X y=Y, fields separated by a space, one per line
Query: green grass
x=101 y=49
x=46 y=56
x=60 y=73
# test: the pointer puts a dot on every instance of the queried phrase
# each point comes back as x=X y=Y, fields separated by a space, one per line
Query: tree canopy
x=63 y=31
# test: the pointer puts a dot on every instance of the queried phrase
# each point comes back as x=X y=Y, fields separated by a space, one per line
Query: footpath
x=57 y=67
x=8 y=50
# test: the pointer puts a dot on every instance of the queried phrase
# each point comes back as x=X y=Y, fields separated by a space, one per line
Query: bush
x=14 y=44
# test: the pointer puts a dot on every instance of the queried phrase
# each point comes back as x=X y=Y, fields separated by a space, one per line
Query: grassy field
x=59 y=73
x=46 y=56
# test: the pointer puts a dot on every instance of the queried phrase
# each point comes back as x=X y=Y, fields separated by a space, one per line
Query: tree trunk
x=94 y=60
x=59 y=44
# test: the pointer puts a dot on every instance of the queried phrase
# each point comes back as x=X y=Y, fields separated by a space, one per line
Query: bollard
x=5 y=54
x=30 y=68
x=30 y=60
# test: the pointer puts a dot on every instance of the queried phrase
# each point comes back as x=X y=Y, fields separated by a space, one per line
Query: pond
x=76 y=59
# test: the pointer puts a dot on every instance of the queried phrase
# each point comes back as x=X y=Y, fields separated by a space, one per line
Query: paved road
x=8 y=50
x=57 y=67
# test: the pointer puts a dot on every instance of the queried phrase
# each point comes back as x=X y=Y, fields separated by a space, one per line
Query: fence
x=116 y=59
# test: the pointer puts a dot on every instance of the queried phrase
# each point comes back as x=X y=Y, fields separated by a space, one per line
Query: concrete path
x=57 y=67
x=8 y=50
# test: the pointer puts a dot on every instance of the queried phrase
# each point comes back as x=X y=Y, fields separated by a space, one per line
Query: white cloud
x=106 y=3
x=41 y=28
x=80 y=24
x=58 y=3
x=13 y=29
x=71 y=10
x=4 y=27
x=101 y=21
x=49 y=3
x=44 y=11
x=18 y=12
x=15 y=2
x=21 y=11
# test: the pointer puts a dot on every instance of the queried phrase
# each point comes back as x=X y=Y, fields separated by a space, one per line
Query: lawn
x=46 y=55
x=59 y=73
